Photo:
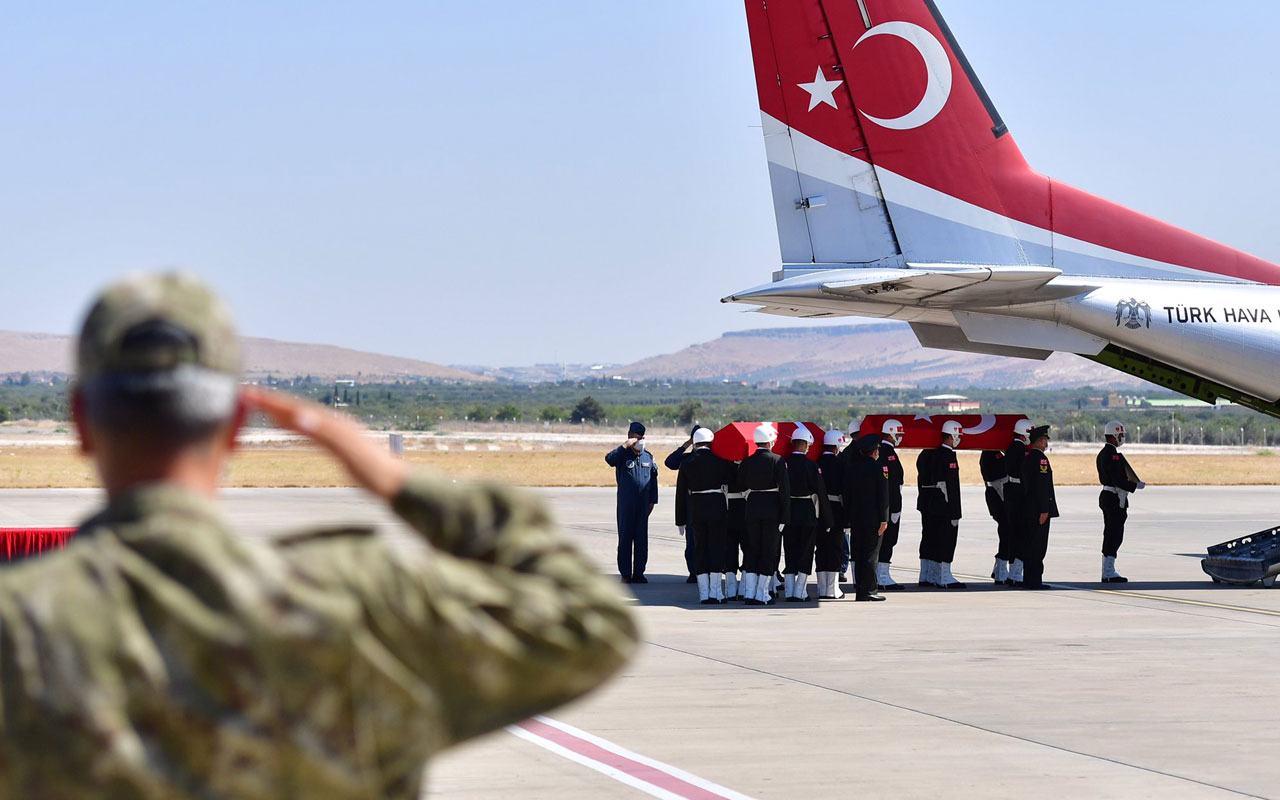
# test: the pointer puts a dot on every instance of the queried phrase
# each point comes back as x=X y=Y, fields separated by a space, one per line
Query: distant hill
x=884 y=354
x=44 y=354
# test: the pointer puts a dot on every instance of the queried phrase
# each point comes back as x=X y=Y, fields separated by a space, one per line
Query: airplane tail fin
x=885 y=150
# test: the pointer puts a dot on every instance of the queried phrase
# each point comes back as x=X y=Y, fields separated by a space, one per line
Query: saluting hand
x=371 y=467
x=630 y=443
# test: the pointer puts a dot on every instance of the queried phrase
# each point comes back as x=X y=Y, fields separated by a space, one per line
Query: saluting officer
x=891 y=434
x=995 y=475
x=637 y=476
x=810 y=510
x=702 y=505
x=867 y=489
x=1038 y=507
x=938 y=478
x=830 y=550
x=763 y=478
x=673 y=462
x=1118 y=482
x=1013 y=491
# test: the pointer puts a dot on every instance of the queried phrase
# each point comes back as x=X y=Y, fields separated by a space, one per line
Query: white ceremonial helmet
x=855 y=428
x=1115 y=429
x=703 y=436
x=765 y=434
x=952 y=428
x=802 y=434
x=893 y=428
x=1022 y=427
x=833 y=438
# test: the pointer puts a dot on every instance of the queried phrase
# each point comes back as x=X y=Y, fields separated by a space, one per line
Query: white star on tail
x=925 y=417
x=821 y=90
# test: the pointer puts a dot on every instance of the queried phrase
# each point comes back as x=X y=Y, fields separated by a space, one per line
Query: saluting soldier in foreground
x=763 y=479
x=702 y=505
x=1039 y=505
x=938 y=478
x=891 y=434
x=1118 y=481
x=1013 y=491
x=161 y=656
x=867 y=487
x=830 y=548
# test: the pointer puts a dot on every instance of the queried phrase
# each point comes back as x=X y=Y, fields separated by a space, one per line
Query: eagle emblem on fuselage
x=1133 y=314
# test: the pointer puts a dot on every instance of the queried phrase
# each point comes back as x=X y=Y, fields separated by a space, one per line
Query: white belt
x=998 y=485
x=736 y=495
x=1014 y=480
x=1121 y=493
x=940 y=486
x=812 y=498
x=835 y=498
x=722 y=490
x=746 y=493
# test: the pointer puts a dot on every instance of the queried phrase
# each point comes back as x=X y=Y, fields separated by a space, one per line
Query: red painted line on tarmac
x=666 y=781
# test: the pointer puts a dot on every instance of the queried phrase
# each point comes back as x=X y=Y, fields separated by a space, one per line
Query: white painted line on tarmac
x=650 y=776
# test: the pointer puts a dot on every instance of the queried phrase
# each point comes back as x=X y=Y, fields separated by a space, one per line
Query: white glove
x=1141 y=485
x=894 y=517
x=681 y=529
x=955 y=523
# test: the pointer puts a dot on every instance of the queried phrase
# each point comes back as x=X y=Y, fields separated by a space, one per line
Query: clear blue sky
x=511 y=182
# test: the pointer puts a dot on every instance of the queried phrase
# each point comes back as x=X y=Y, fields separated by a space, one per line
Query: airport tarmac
x=1159 y=687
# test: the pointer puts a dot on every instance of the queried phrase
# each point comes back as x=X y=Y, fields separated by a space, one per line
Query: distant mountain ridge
x=883 y=354
x=51 y=354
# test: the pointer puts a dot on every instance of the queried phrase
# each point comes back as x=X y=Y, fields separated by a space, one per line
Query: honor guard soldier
x=1013 y=456
x=637 y=476
x=162 y=654
x=673 y=462
x=702 y=506
x=891 y=434
x=810 y=510
x=830 y=550
x=735 y=539
x=1118 y=482
x=938 y=478
x=1038 y=507
x=855 y=433
x=764 y=481
x=866 y=486
x=996 y=476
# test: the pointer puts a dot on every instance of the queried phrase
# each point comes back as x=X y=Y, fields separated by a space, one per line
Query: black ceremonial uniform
x=702 y=505
x=736 y=531
x=763 y=477
x=1118 y=482
x=996 y=477
x=831 y=538
x=867 y=489
x=938 y=477
x=810 y=510
x=1013 y=491
x=1038 y=498
x=896 y=477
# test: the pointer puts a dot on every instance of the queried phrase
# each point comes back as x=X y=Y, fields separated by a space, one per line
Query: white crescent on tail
x=987 y=423
x=936 y=61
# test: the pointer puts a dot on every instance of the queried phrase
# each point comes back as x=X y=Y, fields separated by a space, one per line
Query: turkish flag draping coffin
x=20 y=543
x=785 y=430
x=981 y=431
x=736 y=440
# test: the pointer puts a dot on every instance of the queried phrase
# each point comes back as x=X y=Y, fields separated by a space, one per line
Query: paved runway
x=1161 y=687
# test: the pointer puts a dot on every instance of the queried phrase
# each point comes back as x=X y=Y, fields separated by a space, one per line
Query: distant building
x=951 y=403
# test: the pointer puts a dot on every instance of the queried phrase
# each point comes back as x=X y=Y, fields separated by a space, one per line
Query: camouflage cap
x=155 y=322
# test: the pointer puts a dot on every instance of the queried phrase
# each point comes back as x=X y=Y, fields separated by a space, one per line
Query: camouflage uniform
x=162 y=656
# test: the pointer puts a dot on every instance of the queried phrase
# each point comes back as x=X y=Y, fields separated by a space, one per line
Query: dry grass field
x=36 y=466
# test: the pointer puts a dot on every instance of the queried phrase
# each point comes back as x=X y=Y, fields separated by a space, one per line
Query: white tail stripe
x=639 y=772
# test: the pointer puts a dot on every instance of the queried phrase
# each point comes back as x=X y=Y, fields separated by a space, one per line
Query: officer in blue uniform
x=673 y=462
x=637 y=475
